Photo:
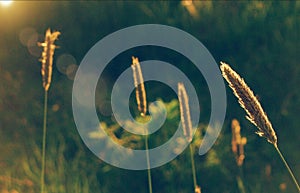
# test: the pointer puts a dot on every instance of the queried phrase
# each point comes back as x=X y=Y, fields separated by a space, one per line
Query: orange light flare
x=6 y=3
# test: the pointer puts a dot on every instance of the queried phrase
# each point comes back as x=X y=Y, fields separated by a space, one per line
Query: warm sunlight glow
x=6 y=3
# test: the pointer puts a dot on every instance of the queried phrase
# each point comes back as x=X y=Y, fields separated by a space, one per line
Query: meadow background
x=260 y=40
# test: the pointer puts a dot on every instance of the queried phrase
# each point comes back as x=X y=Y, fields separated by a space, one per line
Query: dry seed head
x=47 y=57
x=236 y=131
x=235 y=126
x=238 y=142
x=247 y=100
x=140 y=92
x=185 y=112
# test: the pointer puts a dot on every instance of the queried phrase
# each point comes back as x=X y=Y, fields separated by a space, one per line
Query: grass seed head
x=47 y=57
x=247 y=100
x=140 y=92
x=185 y=116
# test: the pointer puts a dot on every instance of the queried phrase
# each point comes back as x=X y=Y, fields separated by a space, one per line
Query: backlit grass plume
x=46 y=70
x=186 y=122
x=255 y=113
x=140 y=94
x=247 y=100
x=185 y=116
x=47 y=57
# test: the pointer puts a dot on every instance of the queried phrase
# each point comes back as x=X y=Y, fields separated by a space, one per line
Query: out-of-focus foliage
x=259 y=39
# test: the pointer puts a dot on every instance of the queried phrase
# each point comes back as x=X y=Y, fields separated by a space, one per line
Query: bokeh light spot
x=71 y=71
x=66 y=64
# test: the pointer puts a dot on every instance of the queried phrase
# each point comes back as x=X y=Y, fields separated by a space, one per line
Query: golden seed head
x=185 y=112
x=247 y=100
x=237 y=142
x=47 y=57
x=140 y=92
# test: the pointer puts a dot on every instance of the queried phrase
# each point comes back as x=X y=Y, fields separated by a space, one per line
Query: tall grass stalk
x=185 y=118
x=287 y=167
x=46 y=71
x=240 y=184
x=44 y=141
x=148 y=164
x=193 y=167
x=254 y=110
x=140 y=94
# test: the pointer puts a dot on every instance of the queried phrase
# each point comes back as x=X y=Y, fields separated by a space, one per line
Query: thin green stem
x=44 y=142
x=288 y=168
x=148 y=164
x=193 y=166
x=240 y=181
